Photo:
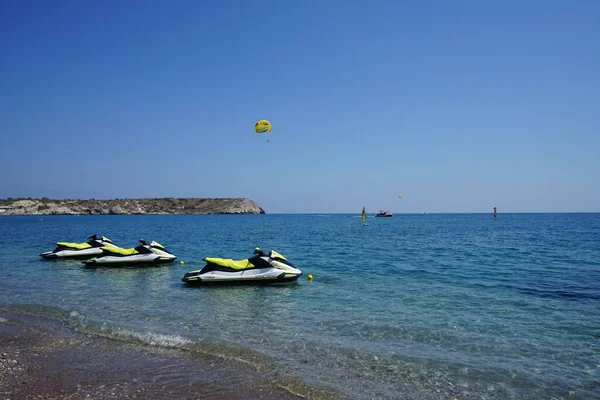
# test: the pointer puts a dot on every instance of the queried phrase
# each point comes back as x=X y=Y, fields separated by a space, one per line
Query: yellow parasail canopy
x=400 y=196
x=262 y=126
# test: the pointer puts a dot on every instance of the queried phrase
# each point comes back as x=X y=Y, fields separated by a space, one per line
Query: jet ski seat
x=120 y=251
x=229 y=263
x=70 y=245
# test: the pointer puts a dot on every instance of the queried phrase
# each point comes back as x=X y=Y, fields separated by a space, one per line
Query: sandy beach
x=43 y=359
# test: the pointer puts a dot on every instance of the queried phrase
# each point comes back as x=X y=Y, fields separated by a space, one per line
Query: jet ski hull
x=85 y=253
x=251 y=276
x=134 y=260
x=92 y=248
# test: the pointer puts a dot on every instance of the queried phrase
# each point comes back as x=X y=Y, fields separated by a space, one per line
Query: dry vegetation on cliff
x=169 y=205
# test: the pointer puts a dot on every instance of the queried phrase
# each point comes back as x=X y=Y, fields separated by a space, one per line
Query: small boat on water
x=92 y=248
x=144 y=254
x=270 y=267
x=384 y=213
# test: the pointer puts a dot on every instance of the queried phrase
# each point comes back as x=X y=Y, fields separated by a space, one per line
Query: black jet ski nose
x=188 y=275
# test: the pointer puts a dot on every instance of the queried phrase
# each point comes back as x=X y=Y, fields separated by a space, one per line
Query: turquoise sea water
x=414 y=306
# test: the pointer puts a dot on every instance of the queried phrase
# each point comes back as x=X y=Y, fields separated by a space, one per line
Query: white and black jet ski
x=91 y=248
x=262 y=268
x=144 y=254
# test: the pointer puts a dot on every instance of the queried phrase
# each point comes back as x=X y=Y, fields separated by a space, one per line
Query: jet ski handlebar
x=259 y=252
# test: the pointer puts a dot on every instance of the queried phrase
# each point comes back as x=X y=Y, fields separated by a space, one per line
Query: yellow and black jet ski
x=91 y=248
x=261 y=268
x=144 y=254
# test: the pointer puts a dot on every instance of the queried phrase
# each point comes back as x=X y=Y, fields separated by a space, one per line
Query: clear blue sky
x=460 y=106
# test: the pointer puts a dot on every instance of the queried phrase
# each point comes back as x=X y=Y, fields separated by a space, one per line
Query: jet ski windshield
x=275 y=255
x=101 y=238
x=143 y=248
x=157 y=245
x=272 y=254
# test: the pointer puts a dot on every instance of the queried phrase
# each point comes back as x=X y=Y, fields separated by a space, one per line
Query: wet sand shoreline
x=44 y=359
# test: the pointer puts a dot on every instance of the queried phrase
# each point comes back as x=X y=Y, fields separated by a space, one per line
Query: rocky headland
x=169 y=205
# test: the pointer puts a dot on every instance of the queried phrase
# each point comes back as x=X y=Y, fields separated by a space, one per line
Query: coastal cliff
x=167 y=205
